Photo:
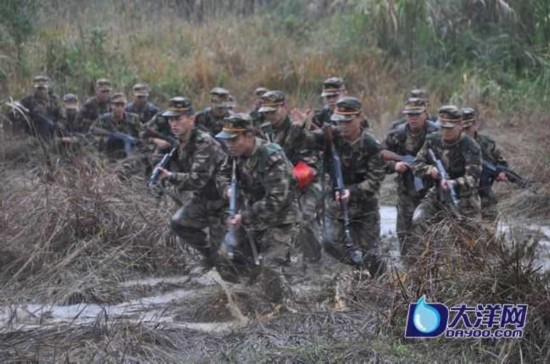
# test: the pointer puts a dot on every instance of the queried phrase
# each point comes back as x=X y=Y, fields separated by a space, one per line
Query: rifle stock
x=353 y=252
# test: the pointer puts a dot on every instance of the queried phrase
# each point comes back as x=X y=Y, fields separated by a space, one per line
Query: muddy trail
x=198 y=317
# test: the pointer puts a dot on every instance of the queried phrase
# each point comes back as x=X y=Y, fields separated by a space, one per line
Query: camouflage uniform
x=403 y=142
x=462 y=161
x=268 y=209
x=92 y=107
x=145 y=112
x=363 y=172
x=310 y=197
x=44 y=111
x=490 y=153
x=206 y=120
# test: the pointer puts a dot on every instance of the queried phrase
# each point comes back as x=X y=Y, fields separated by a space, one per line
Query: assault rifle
x=230 y=239
x=451 y=193
x=353 y=252
x=409 y=161
x=490 y=172
x=153 y=180
x=129 y=141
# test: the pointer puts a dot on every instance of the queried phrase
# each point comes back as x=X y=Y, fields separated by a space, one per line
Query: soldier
x=333 y=89
x=306 y=165
x=418 y=94
x=211 y=118
x=157 y=131
x=406 y=140
x=72 y=130
x=461 y=157
x=119 y=130
x=363 y=173
x=491 y=153
x=140 y=105
x=199 y=158
x=255 y=115
x=98 y=105
x=268 y=211
x=43 y=109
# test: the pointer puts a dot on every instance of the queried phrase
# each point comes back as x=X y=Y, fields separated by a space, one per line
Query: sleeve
x=422 y=162
x=202 y=169
x=375 y=175
x=472 y=158
x=301 y=138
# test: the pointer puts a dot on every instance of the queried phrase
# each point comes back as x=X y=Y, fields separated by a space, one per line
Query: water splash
x=426 y=319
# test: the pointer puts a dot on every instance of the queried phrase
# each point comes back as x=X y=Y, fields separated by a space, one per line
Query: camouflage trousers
x=274 y=246
x=365 y=233
x=197 y=214
x=431 y=211
x=406 y=205
x=309 y=237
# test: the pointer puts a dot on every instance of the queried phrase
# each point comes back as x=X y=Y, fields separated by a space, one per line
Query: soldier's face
x=41 y=92
x=118 y=108
x=350 y=129
x=103 y=95
x=276 y=117
x=451 y=134
x=241 y=145
x=417 y=121
x=220 y=111
x=330 y=101
x=181 y=125
x=140 y=100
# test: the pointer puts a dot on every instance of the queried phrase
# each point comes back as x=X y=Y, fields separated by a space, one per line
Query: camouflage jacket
x=462 y=161
x=115 y=148
x=145 y=113
x=490 y=153
x=72 y=123
x=206 y=121
x=49 y=107
x=199 y=159
x=403 y=142
x=91 y=110
x=294 y=153
x=266 y=185
x=362 y=164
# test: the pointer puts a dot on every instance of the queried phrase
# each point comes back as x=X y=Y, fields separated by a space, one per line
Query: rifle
x=230 y=239
x=490 y=172
x=151 y=133
x=153 y=180
x=353 y=252
x=451 y=193
x=409 y=161
x=128 y=140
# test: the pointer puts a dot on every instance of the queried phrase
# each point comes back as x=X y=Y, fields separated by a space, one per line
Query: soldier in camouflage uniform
x=275 y=111
x=199 y=158
x=461 y=157
x=255 y=115
x=268 y=211
x=140 y=105
x=98 y=105
x=363 y=173
x=73 y=132
x=211 y=118
x=491 y=153
x=120 y=121
x=43 y=108
x=406 y=140
x=418 y=94
x=333 y=89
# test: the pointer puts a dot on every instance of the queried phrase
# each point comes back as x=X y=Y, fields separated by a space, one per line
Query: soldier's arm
x=390 y=144
x=201 y=171
x=299 y=137
x=422 y=162
x=277 y=188
x=375 y=175
x=472 y=157
x=223 y=177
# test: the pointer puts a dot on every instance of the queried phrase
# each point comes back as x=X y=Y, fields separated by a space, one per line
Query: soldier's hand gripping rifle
x=153 y=179
x=353 y=252
x=409 y=161
x=490 y=172
x=451 y=193
x=129 y=141
x=230 y=239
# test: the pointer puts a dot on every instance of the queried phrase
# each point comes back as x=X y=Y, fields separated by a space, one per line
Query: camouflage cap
x=41 y=81
x=103 y=84
x=118 y=97
x=271 y=100
x=449 y=116
x=468 y=117
x=332 y=86
x=70 y=101
x=414 y=105
x=235 y=124
x=346 y=109
x=260 y=91
x=419 y=93
x=178 y=106
x=141 y=89
x=219 y=97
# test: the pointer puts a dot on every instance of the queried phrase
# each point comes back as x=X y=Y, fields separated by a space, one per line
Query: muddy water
x=160 y=306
